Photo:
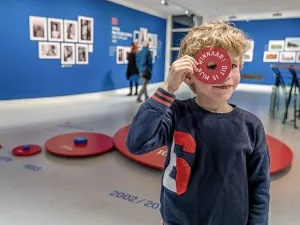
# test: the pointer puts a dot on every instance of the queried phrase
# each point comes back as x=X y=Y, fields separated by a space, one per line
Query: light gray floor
x=77 y=191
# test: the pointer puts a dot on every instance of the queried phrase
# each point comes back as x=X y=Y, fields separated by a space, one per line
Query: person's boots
x=136 y=88
x=130 y=91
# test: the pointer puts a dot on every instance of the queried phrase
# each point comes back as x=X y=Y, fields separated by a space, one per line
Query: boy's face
x=220 y=92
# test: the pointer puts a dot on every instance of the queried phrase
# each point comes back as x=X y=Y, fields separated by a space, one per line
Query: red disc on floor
x=26 y=150
x=154 y=159
x=281 y=156
x=79 y=144
x=221 y=61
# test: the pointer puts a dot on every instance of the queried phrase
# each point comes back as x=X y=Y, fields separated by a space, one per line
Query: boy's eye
x=212 y=67
x=234 y=66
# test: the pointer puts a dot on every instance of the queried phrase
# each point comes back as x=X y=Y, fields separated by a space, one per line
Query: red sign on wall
x=114 y=21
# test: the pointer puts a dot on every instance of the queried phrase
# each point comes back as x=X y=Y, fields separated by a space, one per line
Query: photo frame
x=276 y=45
x=251 y=43
x=270 y=56
x=248 y=57
x=85 y=30
x=143 y=36
x=153 y=54
x=298 y=57
x=292 y=44
x=68 y=54
x=71 y=31
x=287 y=57
x=135 y=37
x=82 y=54
x=49 y=50
x=119 y=55
x=126 y=51
x=38 y=28
x=55 y=29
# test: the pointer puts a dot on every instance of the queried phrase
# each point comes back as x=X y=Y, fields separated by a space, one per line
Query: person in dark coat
x=132 y=73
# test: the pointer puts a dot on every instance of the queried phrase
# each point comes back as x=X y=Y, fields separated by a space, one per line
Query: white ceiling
x=210 y=8
x=225 y=7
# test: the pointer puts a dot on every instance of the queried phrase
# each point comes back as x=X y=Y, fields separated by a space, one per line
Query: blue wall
x=261 y=31
x=24 y=75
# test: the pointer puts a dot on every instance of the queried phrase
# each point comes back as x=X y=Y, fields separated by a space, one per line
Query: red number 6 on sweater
x=179 y=185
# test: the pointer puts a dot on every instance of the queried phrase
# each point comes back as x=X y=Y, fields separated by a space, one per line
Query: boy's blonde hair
x=218 y=33
x=214 y=34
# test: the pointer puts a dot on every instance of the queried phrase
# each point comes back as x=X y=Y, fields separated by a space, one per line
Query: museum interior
x=123 y=110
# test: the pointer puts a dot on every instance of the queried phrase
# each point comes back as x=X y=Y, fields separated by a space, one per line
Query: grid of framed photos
x=139 y=36
x=68 y=40
x=284 y=51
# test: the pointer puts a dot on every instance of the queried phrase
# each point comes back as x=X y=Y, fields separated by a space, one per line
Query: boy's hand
x=180 y=69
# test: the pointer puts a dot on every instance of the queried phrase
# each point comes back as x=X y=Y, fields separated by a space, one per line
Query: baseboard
x=70 y=98
x=113 y=93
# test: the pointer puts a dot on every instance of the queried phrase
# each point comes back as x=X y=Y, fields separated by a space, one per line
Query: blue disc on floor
x=80 y=140
x=26 y=147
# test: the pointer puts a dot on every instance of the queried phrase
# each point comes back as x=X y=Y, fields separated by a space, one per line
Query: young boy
x=217 y=168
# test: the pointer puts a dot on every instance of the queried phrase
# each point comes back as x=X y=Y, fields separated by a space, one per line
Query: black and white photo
x=153 y=55
x=82 y=54
x=49 y=50
x=38 y=28
x=154 y=41
x=55 y=29
x=143 y=36
x=86 y=29
x=67 y=54
x=120 y=55
x=70 y=30
x=126 y=51
x=136 y=35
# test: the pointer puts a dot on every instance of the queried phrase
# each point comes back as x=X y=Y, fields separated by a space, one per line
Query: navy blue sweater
x=217 y=167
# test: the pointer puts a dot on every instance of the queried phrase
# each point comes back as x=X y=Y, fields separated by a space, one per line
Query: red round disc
x=222 y=61
x=64 y=145
x=154 y=159
x=21 y=151
x=281 y=156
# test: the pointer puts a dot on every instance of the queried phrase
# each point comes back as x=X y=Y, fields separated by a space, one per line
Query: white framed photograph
x=38 y=28
x=55 y=29
x=154 y=41
x=292 y=44
x=251 y=43
x=153 y=55
x=71 y=31
x=86 y=29
x=298 y=57
x=135 y=36
x=82 y=54
x=276 y=45
x=119 y=55
x=287 y=57
x=248 y=57
x=150 y=39
x=271 y=56
x=68 y=54
x=126 y=52
x=143 y=36
x=49 y=50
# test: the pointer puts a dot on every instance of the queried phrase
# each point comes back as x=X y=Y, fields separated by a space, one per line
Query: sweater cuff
x=162 y=98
